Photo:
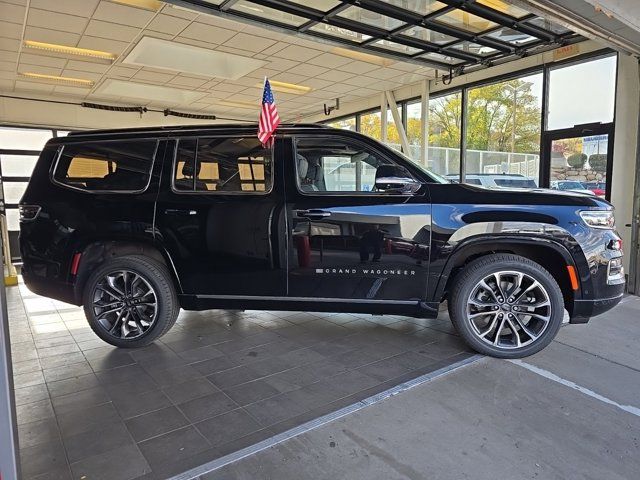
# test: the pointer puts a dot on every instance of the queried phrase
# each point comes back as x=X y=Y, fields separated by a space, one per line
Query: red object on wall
x=304 y=250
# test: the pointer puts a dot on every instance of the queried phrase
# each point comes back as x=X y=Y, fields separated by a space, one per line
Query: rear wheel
x=130 y=301
x=506 y=306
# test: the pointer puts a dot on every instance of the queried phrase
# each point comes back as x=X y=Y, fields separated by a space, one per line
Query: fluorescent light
x=239 y=104
x=78 y=82
x=285 y=87
x=145 y=91
x=364 y=57
x=66 y=50
x=153 y=5
x=182 y=58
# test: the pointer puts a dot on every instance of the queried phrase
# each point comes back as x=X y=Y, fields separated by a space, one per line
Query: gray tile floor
x=217 y=382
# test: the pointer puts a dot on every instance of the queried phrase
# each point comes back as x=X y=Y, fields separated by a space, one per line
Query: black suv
x=135 y=224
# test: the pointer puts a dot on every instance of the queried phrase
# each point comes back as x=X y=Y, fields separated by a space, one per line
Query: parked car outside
x=570 y=186
x=135 y=224
x=598 y=188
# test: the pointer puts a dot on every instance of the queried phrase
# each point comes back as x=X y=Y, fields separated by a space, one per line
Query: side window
x=326 y=164
x=123 y=166
x=239 y=164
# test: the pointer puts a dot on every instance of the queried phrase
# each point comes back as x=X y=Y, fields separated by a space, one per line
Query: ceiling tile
x=56 y=21
x=249 y=42
x=122 y=72
x=33 y=86
x=81 y=74
x=9 y=44
x=87 y=66
x=51 y=36
x=340 y=88
x=168 y=24
x=207 y=33
x=10 y=30
x=153 y=76
x=7 y=75
x=295 y=52
x=75 y=91
x=235 y=51
x=263 y=32
x=8 y=56
x=282 y=65
x=81 y=8
x=229 y=87
x=384 y=73
x=8 y=66
x=330 y=60
x=308 y=70
x=221 y=22
x=12 y=13
x=103 y=44
x=316 y=83
x=335 y=76
x=184 y=81
x=357 y=67
x=290 y=77
x=22 y=67
x=32 y=59
x=260 y=73
x=7 y=85
x=99 y=28
x=276 y=47
x=115 y=13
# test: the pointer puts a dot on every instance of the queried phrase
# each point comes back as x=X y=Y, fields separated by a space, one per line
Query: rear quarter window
x=117 y=166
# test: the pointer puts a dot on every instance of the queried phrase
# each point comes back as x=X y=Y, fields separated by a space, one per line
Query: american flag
x=269 y=118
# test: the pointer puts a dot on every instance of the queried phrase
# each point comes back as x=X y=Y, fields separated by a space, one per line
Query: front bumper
x=583 y=310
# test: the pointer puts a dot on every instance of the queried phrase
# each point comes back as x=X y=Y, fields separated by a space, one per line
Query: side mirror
x=395 y=179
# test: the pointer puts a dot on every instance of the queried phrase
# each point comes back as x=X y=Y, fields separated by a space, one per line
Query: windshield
x=570 y=186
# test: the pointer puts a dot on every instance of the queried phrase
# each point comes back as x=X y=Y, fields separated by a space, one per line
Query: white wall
x=69 y=117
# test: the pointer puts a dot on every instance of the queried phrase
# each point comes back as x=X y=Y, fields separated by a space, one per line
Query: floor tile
x=132 y=405
x=207 y=406
x=228 y=427
x=189 y=390
x=35 y=433
x=94 y=442
x=173 y=446
x=156 y=423
x=123 y=463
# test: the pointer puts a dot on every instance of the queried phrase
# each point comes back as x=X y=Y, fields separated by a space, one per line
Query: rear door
x=220 y=214
x=348 y=241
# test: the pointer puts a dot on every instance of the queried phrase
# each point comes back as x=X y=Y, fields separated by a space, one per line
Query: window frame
x=176 y=141
x=318 y=193
x=54 y=166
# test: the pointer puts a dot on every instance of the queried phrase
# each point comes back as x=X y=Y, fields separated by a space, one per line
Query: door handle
x=178 y=211
x=313 y=214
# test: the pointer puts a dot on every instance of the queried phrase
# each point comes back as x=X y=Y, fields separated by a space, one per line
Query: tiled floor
x=217 y=382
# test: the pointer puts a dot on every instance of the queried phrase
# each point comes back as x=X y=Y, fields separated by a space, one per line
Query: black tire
x=470 y=304
x=153 y=276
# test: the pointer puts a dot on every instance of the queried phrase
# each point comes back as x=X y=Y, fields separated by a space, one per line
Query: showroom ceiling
x=156 y=54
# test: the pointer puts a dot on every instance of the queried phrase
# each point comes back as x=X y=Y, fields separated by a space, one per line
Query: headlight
x=599 y=218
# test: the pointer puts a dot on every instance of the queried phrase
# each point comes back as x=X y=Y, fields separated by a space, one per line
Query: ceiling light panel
x=145 y=91
x=57 y=79
x=182 y=58
x=69 y=51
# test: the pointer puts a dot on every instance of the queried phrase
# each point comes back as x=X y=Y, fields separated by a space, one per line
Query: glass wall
x=445 y=123
x=348 y=123
x=19 y=150
x=582 y=93
x=504 y=122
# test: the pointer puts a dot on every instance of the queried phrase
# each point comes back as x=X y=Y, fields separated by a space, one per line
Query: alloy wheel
x=125 y=304
x=509 y=309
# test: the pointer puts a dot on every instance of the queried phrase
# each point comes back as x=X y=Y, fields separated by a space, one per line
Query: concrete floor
x=490 y=420
x=221 y=381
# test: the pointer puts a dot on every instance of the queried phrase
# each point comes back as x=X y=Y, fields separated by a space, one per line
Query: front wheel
x=130 y=301
x=506 y=306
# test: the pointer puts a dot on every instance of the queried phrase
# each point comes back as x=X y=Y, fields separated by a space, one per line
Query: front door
x=347 y=240
x=579 y=159
x=220 y=214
